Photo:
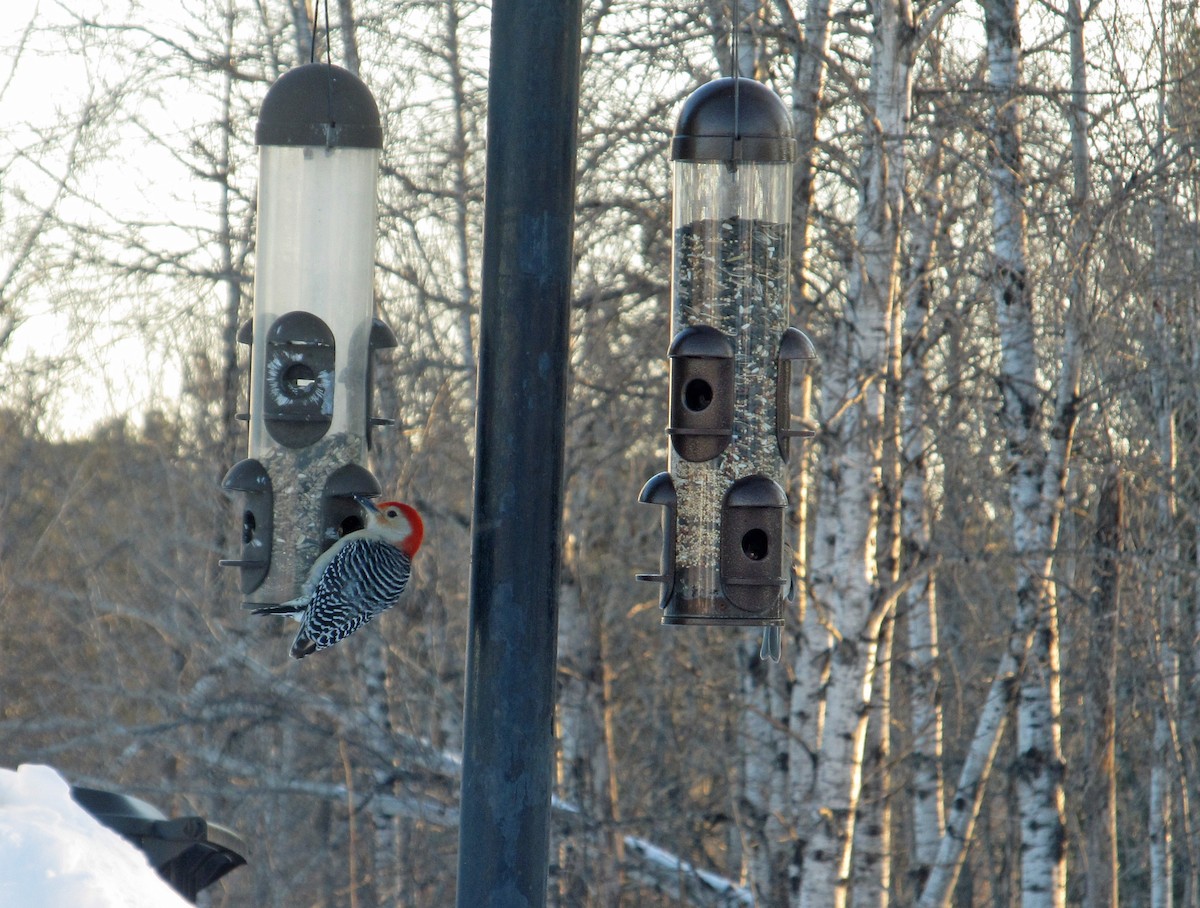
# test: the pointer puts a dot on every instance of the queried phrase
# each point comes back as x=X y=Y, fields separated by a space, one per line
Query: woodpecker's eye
x=392 y=512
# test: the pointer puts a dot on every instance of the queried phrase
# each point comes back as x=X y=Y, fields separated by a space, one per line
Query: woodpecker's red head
x=398 y=523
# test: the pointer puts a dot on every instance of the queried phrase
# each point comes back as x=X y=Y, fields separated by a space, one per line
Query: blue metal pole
x=533 y=99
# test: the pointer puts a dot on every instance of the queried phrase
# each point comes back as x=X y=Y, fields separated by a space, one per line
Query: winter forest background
x=984 y=697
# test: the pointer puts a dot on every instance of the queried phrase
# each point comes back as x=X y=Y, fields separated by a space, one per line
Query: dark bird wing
x=365 y=578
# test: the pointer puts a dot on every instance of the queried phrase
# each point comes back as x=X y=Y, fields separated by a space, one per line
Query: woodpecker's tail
x=303 y=647
x=286 y=609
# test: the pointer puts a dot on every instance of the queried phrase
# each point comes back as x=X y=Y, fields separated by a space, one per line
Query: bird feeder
x=313 y=333
x=725 y=558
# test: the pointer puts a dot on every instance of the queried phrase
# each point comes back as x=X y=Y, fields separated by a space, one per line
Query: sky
x=119 y=373
x=54 y=854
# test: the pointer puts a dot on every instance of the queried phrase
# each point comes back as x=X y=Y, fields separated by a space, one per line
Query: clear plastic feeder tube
x=316 y=253
x=730 y=270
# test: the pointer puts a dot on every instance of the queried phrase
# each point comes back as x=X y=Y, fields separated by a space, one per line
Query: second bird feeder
x=726 y=559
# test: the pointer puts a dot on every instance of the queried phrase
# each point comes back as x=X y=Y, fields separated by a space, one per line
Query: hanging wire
x=312 y=50
x=735 y=65
x=733 y=39
x=312 y=58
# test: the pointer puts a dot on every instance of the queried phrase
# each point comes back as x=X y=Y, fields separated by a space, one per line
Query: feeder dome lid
x=733 y=119
x=319 y=104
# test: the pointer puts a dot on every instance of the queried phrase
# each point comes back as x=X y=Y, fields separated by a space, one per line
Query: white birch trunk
x=1039 y=773
x=976 y=770
x=302 y=23
x=806 y=725
x=1037 y=490
x=764 y=752
x=378 y=733
x=747 y=29
x=871 y=870
x=928 y=798
x=350 y=56
x=812 y=641
x=1158 y=830
x=1038 y=475
x=844 y=574
x=1190 y=718
x=736 y=28
x=568 y=881
x=920 y=599
x=808 y=89
x=1041 y=843
x=843 y=586
x=589 y=855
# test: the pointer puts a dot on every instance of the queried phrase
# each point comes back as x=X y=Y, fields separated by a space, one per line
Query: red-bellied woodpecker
x=359 y=576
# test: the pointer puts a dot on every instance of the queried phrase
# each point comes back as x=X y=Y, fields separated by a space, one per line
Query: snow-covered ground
x=54 y=854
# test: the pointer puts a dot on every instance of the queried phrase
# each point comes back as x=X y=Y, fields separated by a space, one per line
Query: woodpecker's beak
x=366 y=503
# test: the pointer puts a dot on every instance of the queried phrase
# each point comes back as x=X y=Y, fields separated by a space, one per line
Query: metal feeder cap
x=319 y=104
x=733 y=120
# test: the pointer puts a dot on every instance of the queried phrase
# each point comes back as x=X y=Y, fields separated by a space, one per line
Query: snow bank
x=53 y=853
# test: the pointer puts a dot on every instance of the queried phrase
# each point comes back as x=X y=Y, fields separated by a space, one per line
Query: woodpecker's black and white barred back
x=362 y=574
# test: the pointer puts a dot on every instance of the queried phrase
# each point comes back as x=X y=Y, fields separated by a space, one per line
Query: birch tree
x=843 y=573
x=920 y=599
x=1038 y=463
x=809 y=669
x=1037 y=456
x=845 y=585
x=1161 y=819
